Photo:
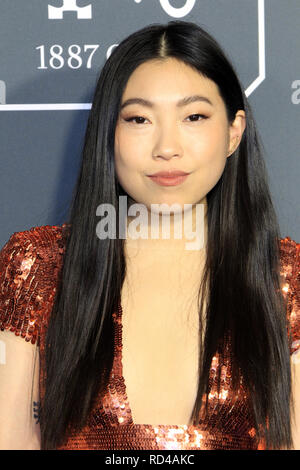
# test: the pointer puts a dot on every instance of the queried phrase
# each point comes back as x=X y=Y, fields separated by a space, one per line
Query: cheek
x=209 y=154
x=210 y=147
x=125 y=164
x=121 y=157
x=126 y=167
x=129 y=160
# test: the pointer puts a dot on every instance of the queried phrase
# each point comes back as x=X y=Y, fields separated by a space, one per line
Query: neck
x=185 y=231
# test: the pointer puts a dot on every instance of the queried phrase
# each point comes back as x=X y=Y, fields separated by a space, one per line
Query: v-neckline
x=121 y=376
x=119 y=334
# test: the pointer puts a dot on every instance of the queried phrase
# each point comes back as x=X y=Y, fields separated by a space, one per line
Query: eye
x=201 y=115
x=134 y=118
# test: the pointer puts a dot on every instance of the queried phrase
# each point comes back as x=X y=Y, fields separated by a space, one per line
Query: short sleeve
x=291 y=291
x=30 y=268
x=18 y=297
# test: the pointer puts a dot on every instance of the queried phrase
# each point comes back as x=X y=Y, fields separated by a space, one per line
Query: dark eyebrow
x=183 y=102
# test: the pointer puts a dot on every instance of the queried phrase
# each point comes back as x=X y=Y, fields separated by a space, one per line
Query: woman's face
x=195 y=138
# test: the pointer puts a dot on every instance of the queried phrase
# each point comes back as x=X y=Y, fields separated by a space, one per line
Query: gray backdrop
x=51 y=52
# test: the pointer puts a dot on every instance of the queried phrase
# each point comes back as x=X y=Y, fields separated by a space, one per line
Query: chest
x=160 y=325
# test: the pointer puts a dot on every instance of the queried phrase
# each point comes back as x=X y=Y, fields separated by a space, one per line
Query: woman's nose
x=168 y=145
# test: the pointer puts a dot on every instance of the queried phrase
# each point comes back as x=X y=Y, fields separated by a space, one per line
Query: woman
x=203 y=338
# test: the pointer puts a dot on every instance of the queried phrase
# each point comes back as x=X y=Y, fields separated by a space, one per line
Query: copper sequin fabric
x=30 y=267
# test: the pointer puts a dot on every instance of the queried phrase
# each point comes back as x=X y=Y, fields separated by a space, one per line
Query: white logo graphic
x=2 y=92
x=57 y=13
x=177 y=12
x=173 y=11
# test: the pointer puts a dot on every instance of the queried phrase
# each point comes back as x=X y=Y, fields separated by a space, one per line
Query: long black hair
x=243 y=293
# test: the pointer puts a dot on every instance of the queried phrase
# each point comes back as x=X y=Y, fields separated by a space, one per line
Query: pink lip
x=169 y=174
x=169 y=181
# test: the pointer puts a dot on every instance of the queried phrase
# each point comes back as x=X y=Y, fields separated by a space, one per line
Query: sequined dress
x=30 y=266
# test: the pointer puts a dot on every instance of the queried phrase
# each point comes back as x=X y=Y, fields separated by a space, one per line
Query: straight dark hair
x=243 y=293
